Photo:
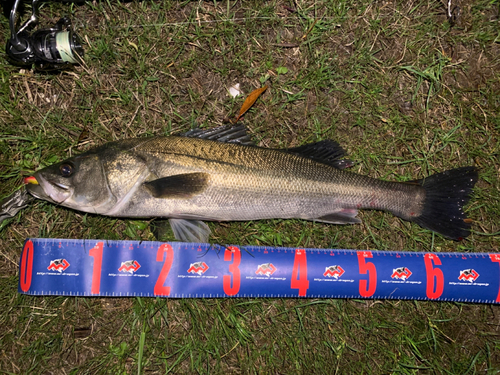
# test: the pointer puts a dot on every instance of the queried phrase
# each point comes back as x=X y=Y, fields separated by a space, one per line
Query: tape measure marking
x=187 y=270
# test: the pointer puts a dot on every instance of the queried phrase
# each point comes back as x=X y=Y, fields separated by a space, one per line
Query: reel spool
x=52 y=48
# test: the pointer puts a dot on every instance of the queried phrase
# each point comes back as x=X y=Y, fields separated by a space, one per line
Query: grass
x=403 y=91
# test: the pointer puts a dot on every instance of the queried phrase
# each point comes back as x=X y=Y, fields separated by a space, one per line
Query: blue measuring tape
x=189 y=270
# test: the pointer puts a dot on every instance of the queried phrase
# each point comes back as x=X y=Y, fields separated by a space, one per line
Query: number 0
x=26 y=266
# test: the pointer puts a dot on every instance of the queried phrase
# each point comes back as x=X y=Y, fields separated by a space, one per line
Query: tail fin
x=446 y=195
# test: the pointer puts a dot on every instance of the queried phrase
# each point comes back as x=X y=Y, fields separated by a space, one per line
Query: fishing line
x=196 y=22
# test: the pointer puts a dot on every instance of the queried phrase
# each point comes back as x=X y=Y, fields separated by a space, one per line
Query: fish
x=221 y=175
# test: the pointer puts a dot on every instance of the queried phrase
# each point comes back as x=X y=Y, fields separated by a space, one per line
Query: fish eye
x=66 y=170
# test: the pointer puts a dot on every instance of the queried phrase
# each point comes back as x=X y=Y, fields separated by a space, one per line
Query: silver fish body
x=198 y=179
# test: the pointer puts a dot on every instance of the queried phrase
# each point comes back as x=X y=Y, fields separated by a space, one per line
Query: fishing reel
x=52 y=48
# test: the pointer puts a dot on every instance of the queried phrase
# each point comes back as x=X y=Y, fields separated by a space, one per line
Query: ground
x=405 y=89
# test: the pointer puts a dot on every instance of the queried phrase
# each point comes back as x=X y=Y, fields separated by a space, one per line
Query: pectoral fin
x=344 y=216
x=190 y=230
x=178 y=186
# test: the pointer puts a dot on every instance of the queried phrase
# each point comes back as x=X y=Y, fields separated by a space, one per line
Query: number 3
x=234 y=269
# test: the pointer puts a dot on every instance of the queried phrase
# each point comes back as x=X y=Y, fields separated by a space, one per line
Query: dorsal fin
x=327 y=152
x=226 y=133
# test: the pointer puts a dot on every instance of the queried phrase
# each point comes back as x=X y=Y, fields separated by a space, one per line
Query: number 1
x=96 y=253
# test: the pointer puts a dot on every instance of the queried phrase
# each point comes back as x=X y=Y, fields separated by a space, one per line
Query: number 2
x=160 y=289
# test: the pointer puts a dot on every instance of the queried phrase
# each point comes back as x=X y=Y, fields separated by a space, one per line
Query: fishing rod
x=56 y=47
x=59 y=47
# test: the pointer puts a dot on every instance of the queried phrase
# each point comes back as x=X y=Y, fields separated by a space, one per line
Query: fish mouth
x=51 y=191
x=35 y=189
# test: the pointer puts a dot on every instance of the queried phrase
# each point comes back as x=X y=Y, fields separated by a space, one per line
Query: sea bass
x=217 y=175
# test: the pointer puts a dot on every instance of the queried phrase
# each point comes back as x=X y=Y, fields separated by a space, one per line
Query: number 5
x=367 y=287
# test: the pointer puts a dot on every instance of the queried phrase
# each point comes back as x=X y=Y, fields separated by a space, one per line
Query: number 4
x=299 y=273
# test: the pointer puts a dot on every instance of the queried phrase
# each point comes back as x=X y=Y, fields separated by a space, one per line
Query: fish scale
x=250 y=164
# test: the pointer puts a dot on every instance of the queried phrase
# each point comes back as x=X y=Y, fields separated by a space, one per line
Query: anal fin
x=343 y=216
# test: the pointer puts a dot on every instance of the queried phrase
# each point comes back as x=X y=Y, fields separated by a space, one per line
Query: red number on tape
x=160 y=289
x=496 y=258
x=435 y=277
x=26 y=266
x=96 y=253
x=234 y=269
x=367 y=287
x=299 y=272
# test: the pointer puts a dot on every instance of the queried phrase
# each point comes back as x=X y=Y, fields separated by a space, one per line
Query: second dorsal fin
x=326 y=152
